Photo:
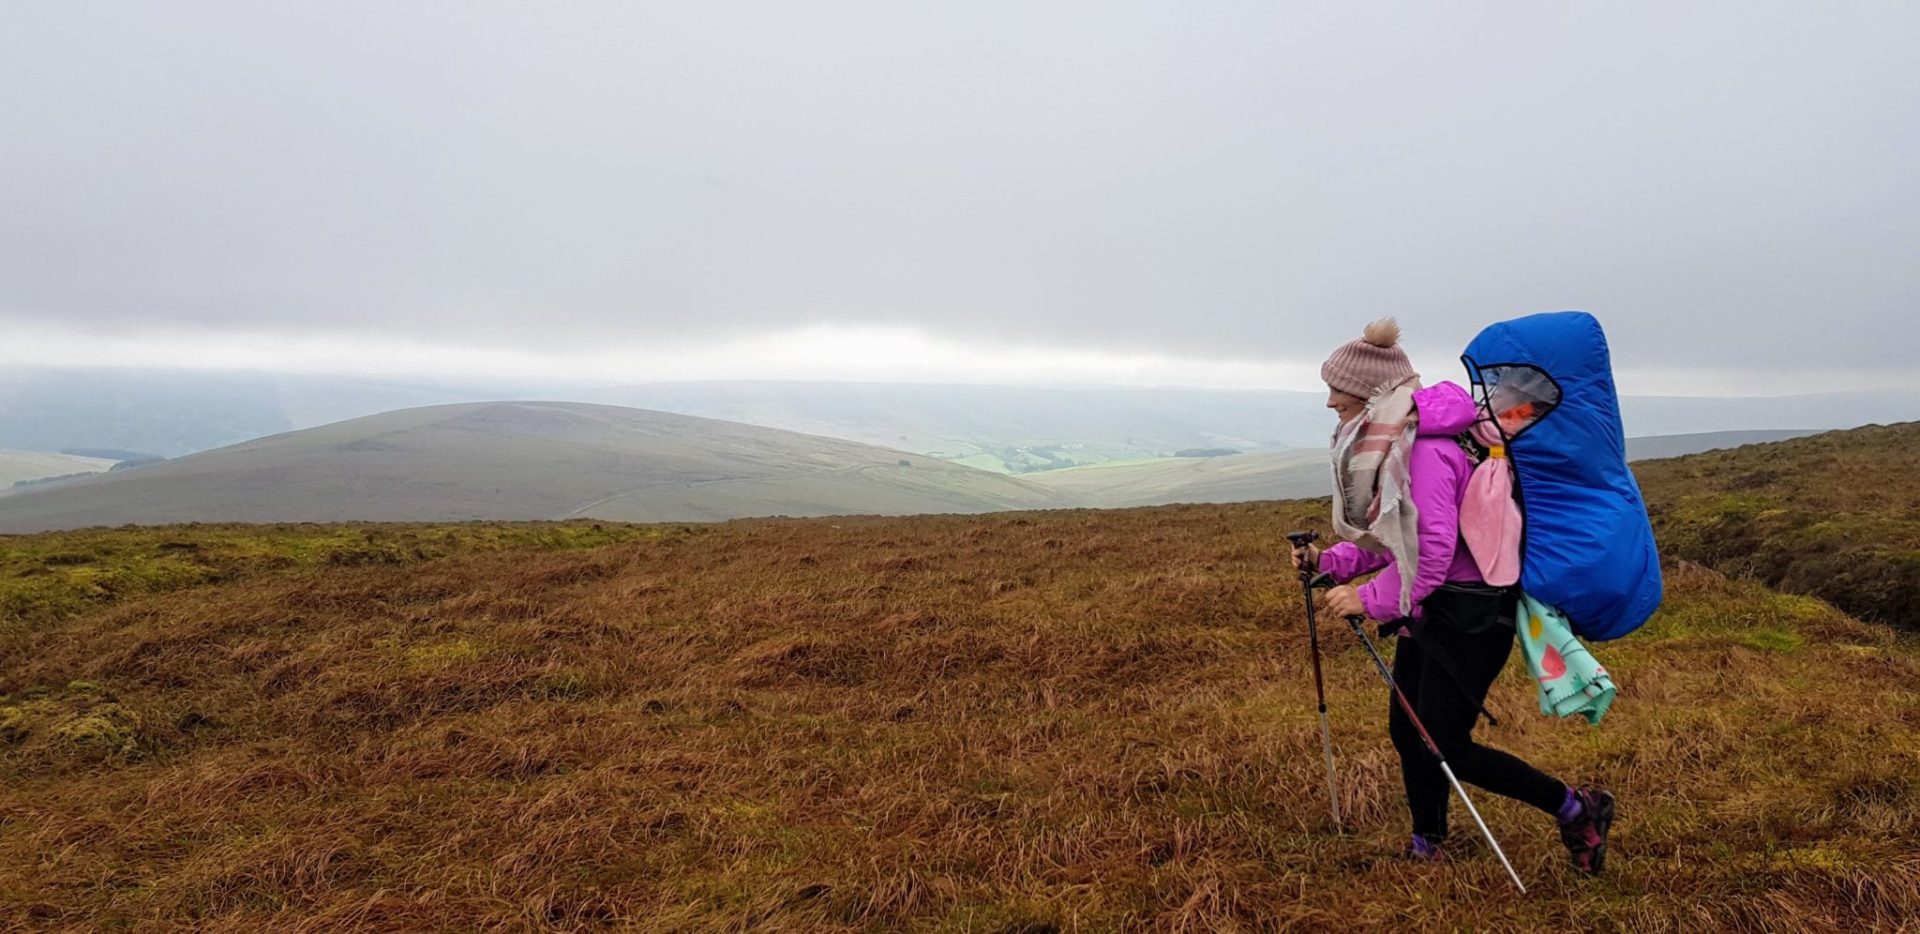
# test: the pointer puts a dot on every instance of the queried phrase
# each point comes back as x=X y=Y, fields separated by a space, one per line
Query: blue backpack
x=1588 y=547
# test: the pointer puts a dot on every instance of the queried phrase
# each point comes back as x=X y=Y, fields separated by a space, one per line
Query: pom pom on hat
x=1382 y=333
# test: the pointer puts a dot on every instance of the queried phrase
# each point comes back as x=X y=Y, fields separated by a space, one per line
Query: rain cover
x=1587 y=547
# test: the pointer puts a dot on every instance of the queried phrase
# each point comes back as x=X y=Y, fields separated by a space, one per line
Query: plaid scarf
x=1373 y=483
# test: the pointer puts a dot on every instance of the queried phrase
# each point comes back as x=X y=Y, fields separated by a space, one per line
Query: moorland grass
x=1835 y=515
x=1069 y=720
x=54 y=575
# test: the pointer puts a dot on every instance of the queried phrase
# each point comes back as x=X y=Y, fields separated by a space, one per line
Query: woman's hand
x=1307 y=558
x=1343 y=601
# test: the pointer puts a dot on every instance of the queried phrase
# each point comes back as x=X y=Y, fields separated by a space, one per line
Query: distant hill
x=114 y=455
x=1022 y=429
x=174 y=412
x=1012 y=429
x=166 y=413
x=1673 y=415
x=1006 y=428
x=1238 y=478
x=18 y=466
x=1834 y=515
x=1657 y=446
x=1230 y=478
x=523 y=460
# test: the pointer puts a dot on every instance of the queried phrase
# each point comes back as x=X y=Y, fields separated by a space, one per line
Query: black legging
x=1449 y=710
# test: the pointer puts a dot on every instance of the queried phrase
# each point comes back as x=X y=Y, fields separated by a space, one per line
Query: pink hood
x=1490 y=521
x=1445 y=409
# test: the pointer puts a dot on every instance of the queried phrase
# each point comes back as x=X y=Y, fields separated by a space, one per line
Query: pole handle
x=1303 y=543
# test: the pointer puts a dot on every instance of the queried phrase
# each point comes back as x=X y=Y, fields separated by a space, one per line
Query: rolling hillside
x=1060 y=721
x=1835 y=515
x=523 y=461
x=518 y=461
x=1007 y=428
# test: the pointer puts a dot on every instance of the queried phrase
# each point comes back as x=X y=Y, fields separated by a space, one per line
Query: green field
x=16 y=466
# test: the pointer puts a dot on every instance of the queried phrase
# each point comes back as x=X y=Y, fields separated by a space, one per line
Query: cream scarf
x=1373 y=483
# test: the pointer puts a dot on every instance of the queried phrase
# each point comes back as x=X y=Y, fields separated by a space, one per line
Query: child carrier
x=1587 y=546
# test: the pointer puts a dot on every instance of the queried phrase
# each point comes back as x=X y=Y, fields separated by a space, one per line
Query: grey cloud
x=1724 y=183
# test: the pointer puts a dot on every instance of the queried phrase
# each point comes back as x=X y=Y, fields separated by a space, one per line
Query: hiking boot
x=1421 y=850
x=1586 y=836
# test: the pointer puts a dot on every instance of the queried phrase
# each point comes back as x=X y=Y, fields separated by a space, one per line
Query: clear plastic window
x=1517 y=396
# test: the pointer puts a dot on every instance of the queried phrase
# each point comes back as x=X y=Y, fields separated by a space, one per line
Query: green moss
x=82 y=718
x=1015 y=914
x=107 y=728
x=436 y=655
x=14 y=727
x=1803 y=609
x=57 y=575
x=1728 y=507
x=1814 y=857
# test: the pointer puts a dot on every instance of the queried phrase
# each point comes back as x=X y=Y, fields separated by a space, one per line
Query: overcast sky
x=1212 y=194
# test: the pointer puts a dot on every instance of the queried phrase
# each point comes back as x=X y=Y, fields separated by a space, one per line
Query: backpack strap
x=1471 y=446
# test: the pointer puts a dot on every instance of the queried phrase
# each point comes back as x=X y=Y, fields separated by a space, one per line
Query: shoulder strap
x=1475 y=451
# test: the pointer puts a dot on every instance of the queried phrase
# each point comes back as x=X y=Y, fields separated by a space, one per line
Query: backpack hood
x=1588 y=547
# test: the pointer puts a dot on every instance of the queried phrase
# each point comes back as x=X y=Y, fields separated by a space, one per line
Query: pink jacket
x=1440 y=471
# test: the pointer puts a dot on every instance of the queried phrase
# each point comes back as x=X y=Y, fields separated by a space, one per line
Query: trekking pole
x=1300 y=541
x=1359 y=629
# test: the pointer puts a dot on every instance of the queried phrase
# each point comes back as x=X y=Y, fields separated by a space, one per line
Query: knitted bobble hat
x=1359 y=367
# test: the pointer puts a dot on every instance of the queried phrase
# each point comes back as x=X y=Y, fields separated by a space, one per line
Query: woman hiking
x=1401 y=467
